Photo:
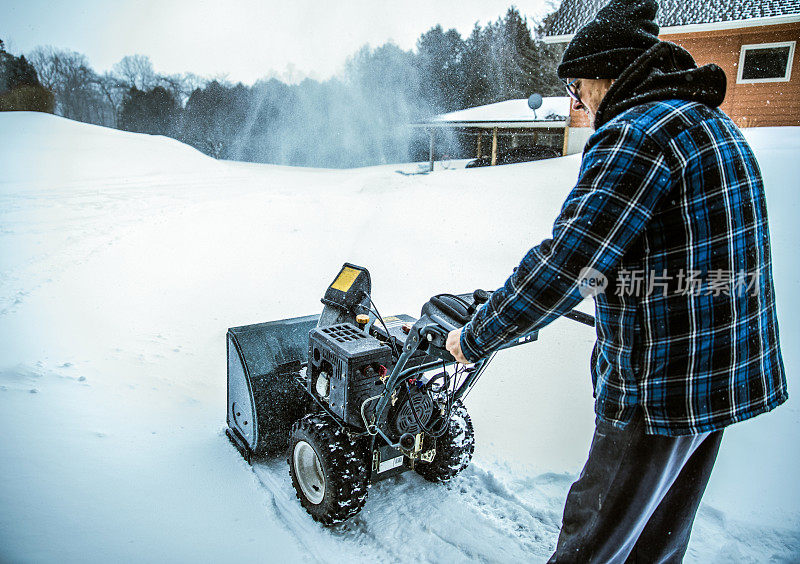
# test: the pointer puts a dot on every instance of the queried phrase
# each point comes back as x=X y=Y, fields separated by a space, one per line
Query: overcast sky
x=243 y=39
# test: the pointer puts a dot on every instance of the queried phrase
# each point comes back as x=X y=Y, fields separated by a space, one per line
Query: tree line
x=355 y=119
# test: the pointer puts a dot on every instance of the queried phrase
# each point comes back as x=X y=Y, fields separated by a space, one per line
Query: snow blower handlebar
x=441 y=315
x=429 y=333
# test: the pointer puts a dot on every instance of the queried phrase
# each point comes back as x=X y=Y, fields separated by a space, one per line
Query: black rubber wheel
x=453 y=449
x=328 y=469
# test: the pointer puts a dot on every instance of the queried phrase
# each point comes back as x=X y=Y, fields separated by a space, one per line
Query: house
x=502 y=125
x=753 y=41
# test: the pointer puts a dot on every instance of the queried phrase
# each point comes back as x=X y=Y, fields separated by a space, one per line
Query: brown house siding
x=749 y=105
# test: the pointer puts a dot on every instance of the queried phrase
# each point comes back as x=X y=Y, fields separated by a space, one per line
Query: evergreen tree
x=16 y=72
x=505 y=60
x=541 y=60
x=477 y=69
x=509 y=39
x=20 y=88
x=154 y=112
x=214 y=117
x=443 y=75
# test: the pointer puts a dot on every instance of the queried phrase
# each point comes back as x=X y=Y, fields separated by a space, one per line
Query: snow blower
x=354 y=397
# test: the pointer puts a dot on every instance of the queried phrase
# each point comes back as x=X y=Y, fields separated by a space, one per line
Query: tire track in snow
x=342 y=542
x=476 y=517
x=291 y=513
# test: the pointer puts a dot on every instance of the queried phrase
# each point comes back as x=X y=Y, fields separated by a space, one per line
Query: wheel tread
x=454 y=449
x=346 y=470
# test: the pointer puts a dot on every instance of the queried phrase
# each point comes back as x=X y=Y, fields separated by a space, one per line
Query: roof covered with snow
x=572 y=14
x=510 y=112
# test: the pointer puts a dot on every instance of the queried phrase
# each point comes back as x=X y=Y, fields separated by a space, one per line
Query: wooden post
x=535 y=136
x=431 y=151
x=494 y=146
x=514 y=140
x=566 y=141
x=480 y=138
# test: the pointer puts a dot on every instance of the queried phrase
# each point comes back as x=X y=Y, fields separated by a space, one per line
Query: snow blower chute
x=354 y=397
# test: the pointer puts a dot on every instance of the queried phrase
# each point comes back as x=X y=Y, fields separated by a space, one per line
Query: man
x=669 y=210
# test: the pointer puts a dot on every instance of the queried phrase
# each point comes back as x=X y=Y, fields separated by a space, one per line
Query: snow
x=124 y=258
x=510 y=110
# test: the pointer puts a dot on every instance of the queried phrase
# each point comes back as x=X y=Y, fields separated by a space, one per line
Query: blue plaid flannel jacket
x=670 y=208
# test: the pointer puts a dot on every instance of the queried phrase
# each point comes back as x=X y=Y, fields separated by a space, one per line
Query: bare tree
x=137 y=71
x=188 y=82
x=75 y=85
x=113 y=91
x=175 y=84
x=45 y=60
x=193 y=81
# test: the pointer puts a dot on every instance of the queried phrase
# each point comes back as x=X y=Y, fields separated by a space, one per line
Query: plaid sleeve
x=623 y=178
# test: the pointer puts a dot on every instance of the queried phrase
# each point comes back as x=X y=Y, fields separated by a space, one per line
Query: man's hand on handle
x=454 y=346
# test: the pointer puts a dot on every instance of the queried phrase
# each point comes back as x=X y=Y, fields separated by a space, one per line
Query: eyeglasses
x=572 y=90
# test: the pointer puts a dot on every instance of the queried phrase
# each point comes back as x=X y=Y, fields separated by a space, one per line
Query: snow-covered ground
x=123 y=260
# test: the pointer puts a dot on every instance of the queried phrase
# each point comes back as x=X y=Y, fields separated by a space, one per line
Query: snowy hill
x=124 y=258
x=44 y=148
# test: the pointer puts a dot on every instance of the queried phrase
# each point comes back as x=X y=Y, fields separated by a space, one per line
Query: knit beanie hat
x=605 y=46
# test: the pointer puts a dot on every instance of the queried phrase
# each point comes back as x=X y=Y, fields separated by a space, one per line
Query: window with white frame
x=766 y=62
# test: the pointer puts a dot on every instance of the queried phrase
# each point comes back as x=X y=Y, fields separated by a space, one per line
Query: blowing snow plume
x=359 y=119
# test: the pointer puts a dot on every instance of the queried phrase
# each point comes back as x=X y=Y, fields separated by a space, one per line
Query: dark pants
x=637 y=496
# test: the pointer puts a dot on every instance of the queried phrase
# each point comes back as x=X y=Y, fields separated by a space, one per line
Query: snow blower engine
x=355 y=397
